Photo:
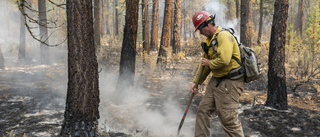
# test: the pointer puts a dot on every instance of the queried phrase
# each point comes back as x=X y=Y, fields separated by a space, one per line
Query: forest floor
x=32 y=99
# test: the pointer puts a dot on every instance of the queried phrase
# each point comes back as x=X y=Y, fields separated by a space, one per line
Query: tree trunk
x=97 y=24
x=300 y=17
x=102 y=26
x=172 y=24
x=237 y=9
x=246 y=22
x=115 y=18
x=145 y=29
x=22 y=41
x=260 y=22
x=154 y=29
x=184 y=20
x=44 y=49
x=229 y=8
x=1 y=59
x=60 y=22
x=128 y=52
x=165 y=36
x=277 y=90
x=81 y=112
x=177 y=22
x=107 y=18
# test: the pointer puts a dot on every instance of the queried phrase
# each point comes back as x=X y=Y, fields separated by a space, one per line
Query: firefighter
x=226 y=85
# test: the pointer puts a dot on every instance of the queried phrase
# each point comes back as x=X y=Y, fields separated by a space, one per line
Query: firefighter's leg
x=227 y=102
x=205 y=110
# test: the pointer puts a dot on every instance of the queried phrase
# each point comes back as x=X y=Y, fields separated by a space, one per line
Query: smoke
x=215 y=7
x=29 y=69
x=138 y=110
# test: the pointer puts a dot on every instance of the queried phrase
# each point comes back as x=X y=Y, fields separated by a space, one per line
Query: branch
x=58 y=5
x=20 y=5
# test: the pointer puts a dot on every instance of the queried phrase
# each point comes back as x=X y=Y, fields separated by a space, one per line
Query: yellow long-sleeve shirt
x=220 y=56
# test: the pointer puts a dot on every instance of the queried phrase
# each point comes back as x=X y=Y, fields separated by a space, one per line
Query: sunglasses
x=204 y=24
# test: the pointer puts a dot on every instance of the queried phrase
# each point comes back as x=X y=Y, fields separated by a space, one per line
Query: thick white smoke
x=133 y=113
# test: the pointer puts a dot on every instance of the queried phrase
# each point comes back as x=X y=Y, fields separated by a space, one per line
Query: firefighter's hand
x=205 y=62
x=194 y=89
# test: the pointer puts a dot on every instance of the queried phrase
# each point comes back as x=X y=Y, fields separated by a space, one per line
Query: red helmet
x=199 y=17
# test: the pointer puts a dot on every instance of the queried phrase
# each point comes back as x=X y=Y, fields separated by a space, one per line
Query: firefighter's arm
x=205 y=73
x=224 y=51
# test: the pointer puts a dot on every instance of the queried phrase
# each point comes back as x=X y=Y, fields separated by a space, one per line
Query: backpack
x=249 y=62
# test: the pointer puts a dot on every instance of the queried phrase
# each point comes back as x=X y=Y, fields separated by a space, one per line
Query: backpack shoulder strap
x=231 y=31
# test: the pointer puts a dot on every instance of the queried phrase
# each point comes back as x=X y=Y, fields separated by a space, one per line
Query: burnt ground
x=32 y=104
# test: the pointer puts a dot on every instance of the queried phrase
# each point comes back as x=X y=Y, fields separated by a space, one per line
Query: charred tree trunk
x=172 y=24
x=154 y=29
x=44 y=49
x=246 y=22
x=128 y=52
x=300 y=17
x=177 y=23
x=107 y=18
x=22 y=41
x=115 y=18
x=260 y=22
x=146 y=29
x=165 y=36
x=81 y=112
x=237 y=9
x=97 y=24
x=277 y=90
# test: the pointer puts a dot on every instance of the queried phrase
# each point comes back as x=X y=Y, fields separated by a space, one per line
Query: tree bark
x=277 y=90
x=237 y=9
x=165 y=36
x=300 y=17
x=115 y=18
x=246 y=22
x=184 y=20
x=61 y=22
x=107 y=18
x=260 y=22
x=229 y=8
x=177 y=23
x=145 y=29
x=172 y=24
x=81 y=112
x=97 y=24
x=154 y=29
x=102 y=20
x=44 y=49
x=22 y=40
x=128 y=52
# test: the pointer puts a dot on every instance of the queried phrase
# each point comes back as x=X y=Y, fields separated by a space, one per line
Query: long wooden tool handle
x=190 y=100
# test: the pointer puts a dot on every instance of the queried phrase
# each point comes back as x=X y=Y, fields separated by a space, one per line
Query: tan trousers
x=223 y=99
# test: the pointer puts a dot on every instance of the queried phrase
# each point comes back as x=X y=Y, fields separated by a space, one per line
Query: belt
x=228 y=76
